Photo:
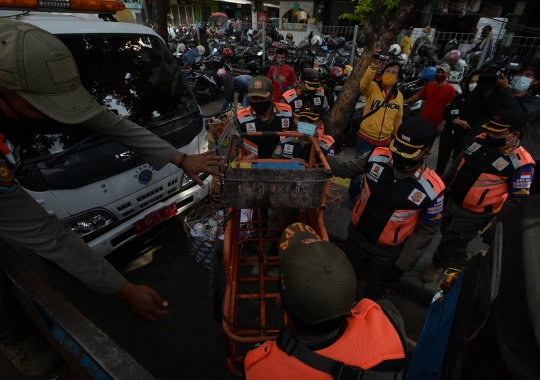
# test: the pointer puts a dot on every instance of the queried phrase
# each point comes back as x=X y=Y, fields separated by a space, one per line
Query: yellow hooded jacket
x=386 y=120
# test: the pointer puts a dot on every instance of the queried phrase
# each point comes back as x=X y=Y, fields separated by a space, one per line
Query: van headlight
x=89 y=223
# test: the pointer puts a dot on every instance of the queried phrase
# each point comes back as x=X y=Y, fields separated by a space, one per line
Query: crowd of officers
x=402 y=204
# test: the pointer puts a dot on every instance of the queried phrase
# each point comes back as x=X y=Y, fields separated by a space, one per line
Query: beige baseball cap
x=42 y=70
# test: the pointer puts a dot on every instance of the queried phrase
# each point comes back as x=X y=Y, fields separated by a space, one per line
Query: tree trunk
x=376 y=29
x=159 y=18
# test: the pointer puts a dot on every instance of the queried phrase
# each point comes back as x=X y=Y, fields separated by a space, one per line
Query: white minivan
x=97 y=187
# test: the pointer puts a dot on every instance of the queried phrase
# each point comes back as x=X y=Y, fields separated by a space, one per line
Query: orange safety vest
x=263 y=146
x=482 y=181
x=388 y=209
x=369 y=339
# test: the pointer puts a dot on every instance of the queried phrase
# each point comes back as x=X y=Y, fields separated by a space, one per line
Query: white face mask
x=472 y=86
x=306 y=128
x=520 y=83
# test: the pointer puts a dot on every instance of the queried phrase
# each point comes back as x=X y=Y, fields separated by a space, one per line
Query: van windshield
x=132 y=75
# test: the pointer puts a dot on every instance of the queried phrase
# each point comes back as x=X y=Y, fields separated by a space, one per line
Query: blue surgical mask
x=520 y=83
x=306 y=128
x=423 y=34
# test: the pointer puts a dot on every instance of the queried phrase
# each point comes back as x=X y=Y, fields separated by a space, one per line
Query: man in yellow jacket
x=383 y=113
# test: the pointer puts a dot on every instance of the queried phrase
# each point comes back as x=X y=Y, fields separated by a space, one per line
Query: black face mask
x=261 y=107
x=496 y=142
x=401 y=162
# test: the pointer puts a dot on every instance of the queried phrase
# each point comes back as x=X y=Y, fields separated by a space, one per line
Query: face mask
x=261 y=107
x=306 y=128
x=496 y=142
x=280 y=62
x=423 y=34
x=520 y=83
x=389 y=80
x=472 y=86
x=439 y=78
x=401 y=162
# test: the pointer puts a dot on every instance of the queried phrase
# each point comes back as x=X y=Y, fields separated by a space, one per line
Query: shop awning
x=235 y=1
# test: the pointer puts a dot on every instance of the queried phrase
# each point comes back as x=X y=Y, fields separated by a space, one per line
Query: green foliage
x=364 y=8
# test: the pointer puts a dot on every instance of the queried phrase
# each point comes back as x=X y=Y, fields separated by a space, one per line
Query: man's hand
x=142 y=301
x=440 y=127
x=463 y=124
x=196 y=163
x=502 y=83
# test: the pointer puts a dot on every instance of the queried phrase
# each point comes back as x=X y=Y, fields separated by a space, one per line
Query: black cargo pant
x=451 y=139
x=372 y=260
x=458 y=227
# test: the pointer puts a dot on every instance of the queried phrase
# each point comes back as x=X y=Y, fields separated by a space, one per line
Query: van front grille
x=145 y=197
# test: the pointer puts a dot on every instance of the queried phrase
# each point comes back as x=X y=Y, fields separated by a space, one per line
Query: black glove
x=393 y=274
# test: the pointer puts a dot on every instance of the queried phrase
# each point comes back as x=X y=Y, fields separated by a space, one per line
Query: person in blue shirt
x=190 y=55
x=485 y=38
x=230 y=84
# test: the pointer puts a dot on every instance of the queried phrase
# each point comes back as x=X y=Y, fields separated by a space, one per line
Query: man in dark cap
x=399 y=209
x=308 y=123
x=493 y=170
x=325 y=332
x=485 y=38
x=310 y=92
x=262 y=115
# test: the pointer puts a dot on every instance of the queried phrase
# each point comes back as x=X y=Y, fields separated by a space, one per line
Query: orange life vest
x=482 y=181
x=263 y=146
x=369 y=339
x=388 y=210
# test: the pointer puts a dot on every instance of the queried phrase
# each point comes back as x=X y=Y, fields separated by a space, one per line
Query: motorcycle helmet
x=201 y=49
x=428 y=73
x=452 y=56
x=221 y=73
x=280 y=37
x=181 y=48
x=227 y=52
x=336 y=72
x=316 y=40
x=341 y=41
x=394 y=50
x=289 y=36
x=451 y=45
x=324 y=48
x=332 y=44
x=348 y=69
x=303 y=44
x=268 y=41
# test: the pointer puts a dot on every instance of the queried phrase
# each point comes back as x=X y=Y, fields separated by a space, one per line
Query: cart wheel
x=217 y=282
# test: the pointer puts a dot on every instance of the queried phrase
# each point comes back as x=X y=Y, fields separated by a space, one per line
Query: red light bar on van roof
x=90 y=6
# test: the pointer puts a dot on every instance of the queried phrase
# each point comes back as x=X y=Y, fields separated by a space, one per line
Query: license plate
x=154 y=218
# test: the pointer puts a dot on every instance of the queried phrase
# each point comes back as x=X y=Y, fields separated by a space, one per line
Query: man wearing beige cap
x=40 y=86
x=325 y=333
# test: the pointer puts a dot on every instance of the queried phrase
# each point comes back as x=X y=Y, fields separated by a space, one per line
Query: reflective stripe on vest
x=388 y=210
x=369 y=339
x=482 y=181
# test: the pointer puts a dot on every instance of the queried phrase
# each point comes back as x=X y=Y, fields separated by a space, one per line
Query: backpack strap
x=339 y=371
